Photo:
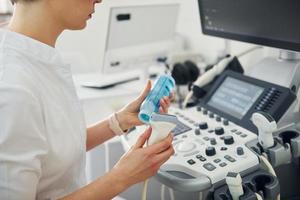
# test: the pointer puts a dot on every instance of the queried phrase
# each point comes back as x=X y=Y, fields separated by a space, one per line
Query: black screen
x=235 y=97
x=273 y=23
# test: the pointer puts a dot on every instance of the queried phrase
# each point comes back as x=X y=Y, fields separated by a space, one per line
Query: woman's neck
x=36 y=21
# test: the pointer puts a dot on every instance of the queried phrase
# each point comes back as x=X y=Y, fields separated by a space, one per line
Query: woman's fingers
x=142 y=139
x=164 y=105
x=161 y=158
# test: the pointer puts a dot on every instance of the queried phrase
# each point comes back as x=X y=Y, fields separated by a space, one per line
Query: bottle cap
x=145 y=116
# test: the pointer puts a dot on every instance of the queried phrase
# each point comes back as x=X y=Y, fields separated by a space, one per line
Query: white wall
x=84 y=49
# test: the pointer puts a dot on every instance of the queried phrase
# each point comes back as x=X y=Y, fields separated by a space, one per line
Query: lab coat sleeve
x=23 y=144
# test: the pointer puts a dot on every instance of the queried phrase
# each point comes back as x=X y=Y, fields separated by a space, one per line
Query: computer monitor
x=138 y=34
x=273 y=23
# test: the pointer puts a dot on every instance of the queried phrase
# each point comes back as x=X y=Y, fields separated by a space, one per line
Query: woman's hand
x=139 y=163
x=128 y=116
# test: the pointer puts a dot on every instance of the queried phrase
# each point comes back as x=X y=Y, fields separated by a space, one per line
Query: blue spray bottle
x=162 y=87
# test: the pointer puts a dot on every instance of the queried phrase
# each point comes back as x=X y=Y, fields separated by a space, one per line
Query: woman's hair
x=15 y=1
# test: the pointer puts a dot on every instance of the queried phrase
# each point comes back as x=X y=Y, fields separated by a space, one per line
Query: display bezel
x=279 y=105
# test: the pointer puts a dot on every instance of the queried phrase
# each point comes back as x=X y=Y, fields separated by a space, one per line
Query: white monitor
x=138 y=34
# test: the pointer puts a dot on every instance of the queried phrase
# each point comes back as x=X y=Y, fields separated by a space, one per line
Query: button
x=209 y=166
x=261 y=106
x=226 y=122
x=203 y=126
x=223 y=164
x=191 y=121
x=217 y=160
x=213 y=141
x=269 y=96
x=240 y=151
x=210 y=151
x=199 y=108
x=211 y=115
x=186 y=118
x=244 y=135
x=202 y=159
x=211 y=131
x=206 y=138
x=197 y=132
x=265 y=100
x=219 y=131
x=229 y=158
x=258 y=108
x=228 y=140
x=218 y=119
x=238 y=133
x=185 y=146
x=205 y=112
x=191 y=161
x=222 y=137
x=233 y=130
x=184 y=136
x=223 y=148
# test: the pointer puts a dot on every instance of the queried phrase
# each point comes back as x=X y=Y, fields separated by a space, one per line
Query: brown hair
x=15 y=1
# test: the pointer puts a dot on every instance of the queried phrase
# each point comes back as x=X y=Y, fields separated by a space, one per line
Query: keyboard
x=103 y=81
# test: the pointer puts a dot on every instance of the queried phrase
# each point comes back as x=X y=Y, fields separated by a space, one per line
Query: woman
x=43 y=138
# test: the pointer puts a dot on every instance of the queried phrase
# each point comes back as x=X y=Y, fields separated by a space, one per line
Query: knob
x=218 y=118
x=213 y=141
x=219 y=131
x=210 y=151
x=203 y=126
x=198 y=108
x=211 y=115
x=197 y=132
x=226 y=122
x=205 y=112
x=240 y=151
x=228 y=140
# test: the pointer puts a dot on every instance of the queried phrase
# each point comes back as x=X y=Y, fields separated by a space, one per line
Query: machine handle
x=188 y=184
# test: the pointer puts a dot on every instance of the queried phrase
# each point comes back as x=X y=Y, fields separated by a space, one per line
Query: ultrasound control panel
x=236 y=97
x=208 y=145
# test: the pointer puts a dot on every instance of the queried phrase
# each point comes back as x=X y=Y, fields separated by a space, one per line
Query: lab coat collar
x=31 y=47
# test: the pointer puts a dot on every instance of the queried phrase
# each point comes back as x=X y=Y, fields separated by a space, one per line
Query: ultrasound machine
x=242 y=140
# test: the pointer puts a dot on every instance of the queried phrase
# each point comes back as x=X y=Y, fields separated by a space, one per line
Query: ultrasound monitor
x=273 y=23
x=235 y=97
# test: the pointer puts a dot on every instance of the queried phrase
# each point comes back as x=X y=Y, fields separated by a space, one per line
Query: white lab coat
x=42 y=130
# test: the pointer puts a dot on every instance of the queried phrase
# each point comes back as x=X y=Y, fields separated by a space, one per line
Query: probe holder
x=279 y=154
x=292 y=138
x=257 y=182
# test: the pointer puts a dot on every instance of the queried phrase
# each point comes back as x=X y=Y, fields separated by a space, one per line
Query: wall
x=86 y=55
